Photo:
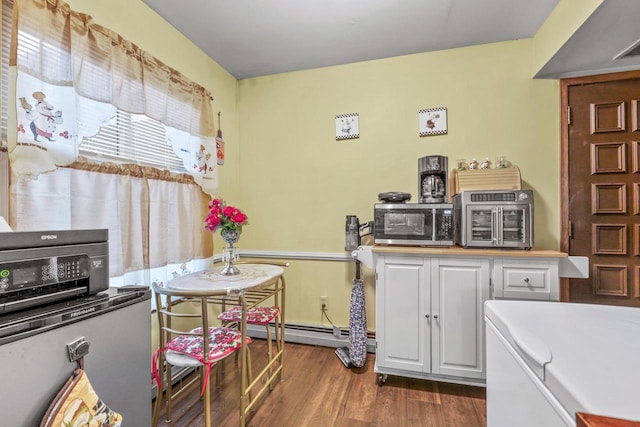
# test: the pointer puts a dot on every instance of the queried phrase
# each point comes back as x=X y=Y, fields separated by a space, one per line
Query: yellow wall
x=298 y=182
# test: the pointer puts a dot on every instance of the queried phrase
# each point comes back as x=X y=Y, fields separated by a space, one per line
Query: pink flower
x=238 y=217
x=214 y=203
x=224 y=216
x=212 y=221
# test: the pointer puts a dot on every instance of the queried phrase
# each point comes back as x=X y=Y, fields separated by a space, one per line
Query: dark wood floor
x=319 y=391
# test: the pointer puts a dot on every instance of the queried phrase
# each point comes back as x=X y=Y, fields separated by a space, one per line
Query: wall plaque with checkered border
x=432 y=121
x=347 y=126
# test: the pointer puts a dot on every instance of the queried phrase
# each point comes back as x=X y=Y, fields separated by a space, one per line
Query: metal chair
x=255 y=316
x=258 y=314
x=187 y=340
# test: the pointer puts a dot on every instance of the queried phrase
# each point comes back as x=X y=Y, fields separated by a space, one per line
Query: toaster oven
x=494 y=219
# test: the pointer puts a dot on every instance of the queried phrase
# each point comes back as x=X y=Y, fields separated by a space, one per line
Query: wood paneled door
x=601 y=186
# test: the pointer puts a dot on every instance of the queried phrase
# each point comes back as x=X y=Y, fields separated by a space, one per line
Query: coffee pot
x=433 y=188
x=432 y=177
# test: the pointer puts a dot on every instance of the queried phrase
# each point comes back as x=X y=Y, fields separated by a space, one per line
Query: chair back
x=181 y=314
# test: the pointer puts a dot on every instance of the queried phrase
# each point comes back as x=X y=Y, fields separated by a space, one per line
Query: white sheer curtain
x=154 y=224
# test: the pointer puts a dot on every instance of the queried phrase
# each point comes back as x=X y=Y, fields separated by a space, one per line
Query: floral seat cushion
x=222 y=342
x=255 y=316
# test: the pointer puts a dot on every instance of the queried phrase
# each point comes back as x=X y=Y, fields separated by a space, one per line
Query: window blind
x=132 y=138
x=7 y=10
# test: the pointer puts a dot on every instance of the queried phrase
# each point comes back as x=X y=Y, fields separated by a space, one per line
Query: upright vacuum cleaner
x=355 y=355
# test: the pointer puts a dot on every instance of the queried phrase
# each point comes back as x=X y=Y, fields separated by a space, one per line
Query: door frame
x=565 y=84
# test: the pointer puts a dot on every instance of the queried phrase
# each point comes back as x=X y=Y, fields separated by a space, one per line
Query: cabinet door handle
x=426 y=316
x=435 y=316
x=526 y=280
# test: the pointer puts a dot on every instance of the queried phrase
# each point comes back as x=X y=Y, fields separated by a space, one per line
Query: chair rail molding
x=309 y=256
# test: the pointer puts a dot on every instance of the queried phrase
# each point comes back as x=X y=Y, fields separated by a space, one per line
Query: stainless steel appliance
x=494 y=219
x=417 y=224
x=354 y=232
x=58 y=306
x=432 y=179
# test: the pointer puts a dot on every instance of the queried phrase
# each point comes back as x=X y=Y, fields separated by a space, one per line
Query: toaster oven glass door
x=513 y=229
x=482 y=225
x=502 y=226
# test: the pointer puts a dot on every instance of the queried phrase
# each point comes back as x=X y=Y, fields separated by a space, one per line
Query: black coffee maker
x=432 y=179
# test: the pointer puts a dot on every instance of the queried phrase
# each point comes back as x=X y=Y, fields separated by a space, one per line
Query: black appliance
x=414 y=224
x=57 y=312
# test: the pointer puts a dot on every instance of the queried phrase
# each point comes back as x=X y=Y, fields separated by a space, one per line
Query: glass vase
x=230 y=237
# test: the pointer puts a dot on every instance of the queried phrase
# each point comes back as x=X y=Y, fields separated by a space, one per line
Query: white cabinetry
x=522 y=278
x=430 y=302
x=403 y=300
x=460 y=288
x=429 y=317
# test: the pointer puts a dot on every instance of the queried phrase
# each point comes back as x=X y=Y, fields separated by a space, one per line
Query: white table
x=255 y=284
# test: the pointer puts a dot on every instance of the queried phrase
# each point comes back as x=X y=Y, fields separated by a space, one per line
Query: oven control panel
x=34 y=273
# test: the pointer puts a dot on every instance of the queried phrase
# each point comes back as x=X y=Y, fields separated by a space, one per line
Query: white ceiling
x=251 y=38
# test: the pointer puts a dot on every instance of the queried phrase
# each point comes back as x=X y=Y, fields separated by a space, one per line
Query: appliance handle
x=494 y=213
x=364 y=226
x=500 y=225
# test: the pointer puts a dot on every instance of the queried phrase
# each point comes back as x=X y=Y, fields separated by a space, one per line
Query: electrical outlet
x=323 y=303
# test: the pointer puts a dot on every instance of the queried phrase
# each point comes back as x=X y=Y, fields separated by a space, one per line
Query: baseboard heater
x=312 y=335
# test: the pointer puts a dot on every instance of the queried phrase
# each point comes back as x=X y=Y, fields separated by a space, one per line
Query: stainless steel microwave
x=416 y=224
x=494 y=219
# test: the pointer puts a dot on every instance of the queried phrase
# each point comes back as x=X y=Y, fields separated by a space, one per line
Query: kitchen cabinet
x=461 y=286
x=430 y=303
x=429 y=317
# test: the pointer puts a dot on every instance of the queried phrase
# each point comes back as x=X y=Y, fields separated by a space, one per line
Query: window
x=121 y=137
x=132 y=138
x=106 y=99
x=154 y=217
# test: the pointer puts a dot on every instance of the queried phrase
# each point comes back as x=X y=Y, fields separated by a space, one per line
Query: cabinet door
x=402 y=301
x=459 y=288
